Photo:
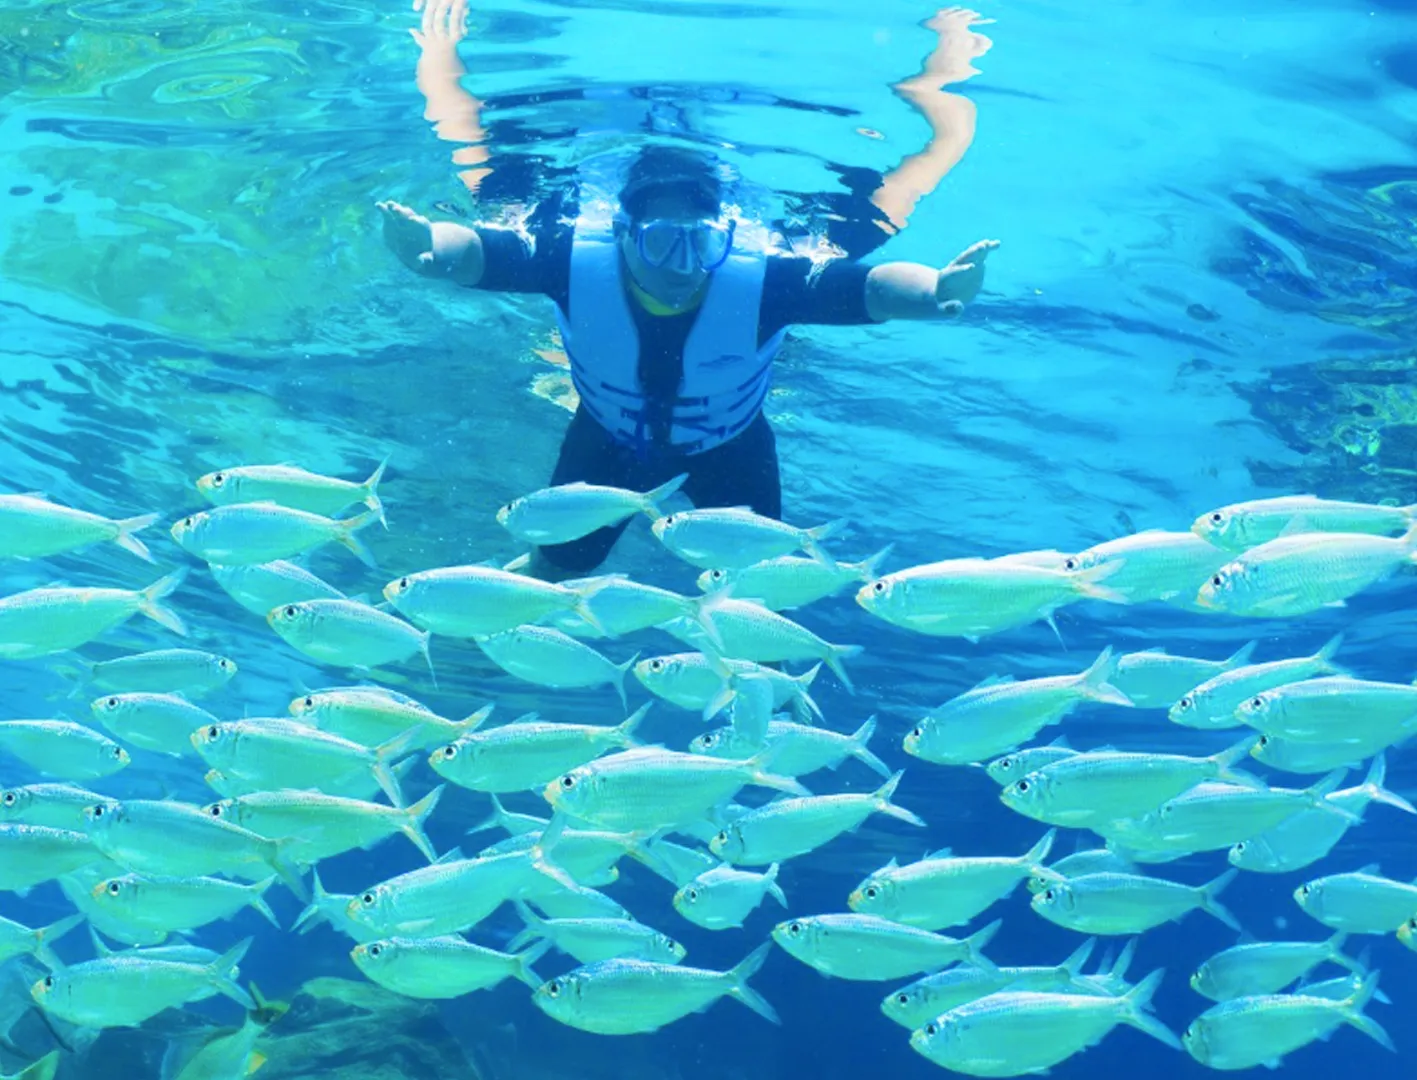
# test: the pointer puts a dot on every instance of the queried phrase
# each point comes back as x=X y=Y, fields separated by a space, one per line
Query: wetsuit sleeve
x=795 y=292
x=534 y=260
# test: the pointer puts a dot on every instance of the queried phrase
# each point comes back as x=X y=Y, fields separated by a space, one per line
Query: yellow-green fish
x=1304 y=756
x=263 y=586
x=474 y=601
x=723 y=896
x=40 y=622
x=162 y=723
x=441 y=967
x=316 y=826
x=973 y=598
x=1005 y=770
x=547 y=657
x=1294 y=575
x=1213 y=703
x=1364 y=902
x=748 y=631
x=942 y=890
x=371 y=715
x=789 y=827
x=999 y=713
x=869 y=948
x=699 y=682
x=790 y=581
x=528 y=753
x=566 y=512
x=621 y=606
x=293 y=487
x=1016 y=1032
x=332 y=908
x=627 y=997
x=1250 y=1031
x=62 y=748
x=347 y=633
x=1128 y=903
x=1249 y=524
x=735 y=537
x=17 y=940
x=1331 y=708
x=190 y=672
x=1152 y=565
x=176 y=904
x=1154 y=679
x=1254 y=968
x=649 y=787
x=794 y=749
x=125 y=990
x=32 y=527
x=246 y=534
x=591 y=940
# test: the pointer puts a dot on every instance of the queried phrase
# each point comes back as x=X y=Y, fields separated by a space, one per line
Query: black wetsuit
x=740 y=472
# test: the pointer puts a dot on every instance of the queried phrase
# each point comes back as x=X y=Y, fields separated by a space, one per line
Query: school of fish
x=345 y=771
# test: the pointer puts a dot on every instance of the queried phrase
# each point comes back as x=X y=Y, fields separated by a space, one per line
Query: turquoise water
x=1203 y=295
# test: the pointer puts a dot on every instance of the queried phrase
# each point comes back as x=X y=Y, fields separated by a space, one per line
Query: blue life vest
x=726 y=375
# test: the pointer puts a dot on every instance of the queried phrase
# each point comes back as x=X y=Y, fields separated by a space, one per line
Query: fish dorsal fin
x=943 y=853
x=1296 y=525
x=1246 y=938
x=1372 y=869
x=451 y=855
x=992 y=680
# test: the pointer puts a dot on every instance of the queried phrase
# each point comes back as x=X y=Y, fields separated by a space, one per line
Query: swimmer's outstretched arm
x=455 y=114
x=435 y=249
x=903 y=290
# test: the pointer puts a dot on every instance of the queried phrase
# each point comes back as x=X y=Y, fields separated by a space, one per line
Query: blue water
x=1203 y=294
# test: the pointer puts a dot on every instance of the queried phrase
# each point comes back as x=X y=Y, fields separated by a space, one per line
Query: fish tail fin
x=861 y=753
x=371 y=493
x=834 y=658
x=43 y=1069
x=1096 y=682
x=258 y=900
x=1037 y=855
x=1089 y=584
x=385 y=754
x=1119 y=968
x=524 y=971
x=425 y=646
x=349 y=535
x=1338 y=956
x=1240 y=657
x=219 y=972
x=47 y=935
x=542 y=860
x=534 y=928
x=1210 y=901
x=310 y=917
x=150 y=602
x=1078 y=959
x=870 y=569
x=881 y=801
x=1376 y=792
x=771 y=780
x=472 y=721
x=1318 y=797
x=621 y=670
x=806 y=710
x=650 y=500
x=495 y=820
x=770 y=885
x=738 y=983
x=128 y=542
x=1324 y=657
x=287 y=868
x=1136 y=1002
x=414 y=819
x=974 y=945
x=626 y=730
x=1231 y=756
x=1352 y=1009
x=811 y=540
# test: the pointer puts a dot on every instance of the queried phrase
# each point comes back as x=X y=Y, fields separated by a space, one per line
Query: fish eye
x=902 y=999
x=449 y=752
x=716 y=575
x=932 y=1028
x=1216 y=518
x=1022 y=787
x=553 y=988
x=114 y=888
x=1257 y=703
x=1185 y=703
x=214 y=810
x=1217 y=581
x=1241 y=845
x=656 y=665
x=49 y=982
x=213 y=732
x=871 y=892
x=1071 y=564
x=567 y=782
x=97 y=810
x=118 y=752
x=111 y=703
x=1006 y=763
x=1050 y=895
x=309 y=703
x=1263 y=741
x=224 y=664
x=878 y=588
x=670 y=520
x=375 y=950
x=289 y=611
x=187 y=523
x=367 y=899
x=10 y=798
x=1305 y=890
x=722 y=836
x=794 y=928
x=710 y=740
x=692 y=896
x=403 y=583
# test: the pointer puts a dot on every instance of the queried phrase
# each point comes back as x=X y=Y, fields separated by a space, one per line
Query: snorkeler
x=671 y=306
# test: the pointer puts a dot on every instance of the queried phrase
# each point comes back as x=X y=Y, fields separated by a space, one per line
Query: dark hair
x=687 y=173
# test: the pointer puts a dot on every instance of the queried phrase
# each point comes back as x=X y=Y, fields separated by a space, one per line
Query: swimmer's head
x=670 y=228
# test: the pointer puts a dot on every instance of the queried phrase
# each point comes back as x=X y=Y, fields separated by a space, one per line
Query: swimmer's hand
x=902 y=290
x=432 y=248
x=960 y=281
